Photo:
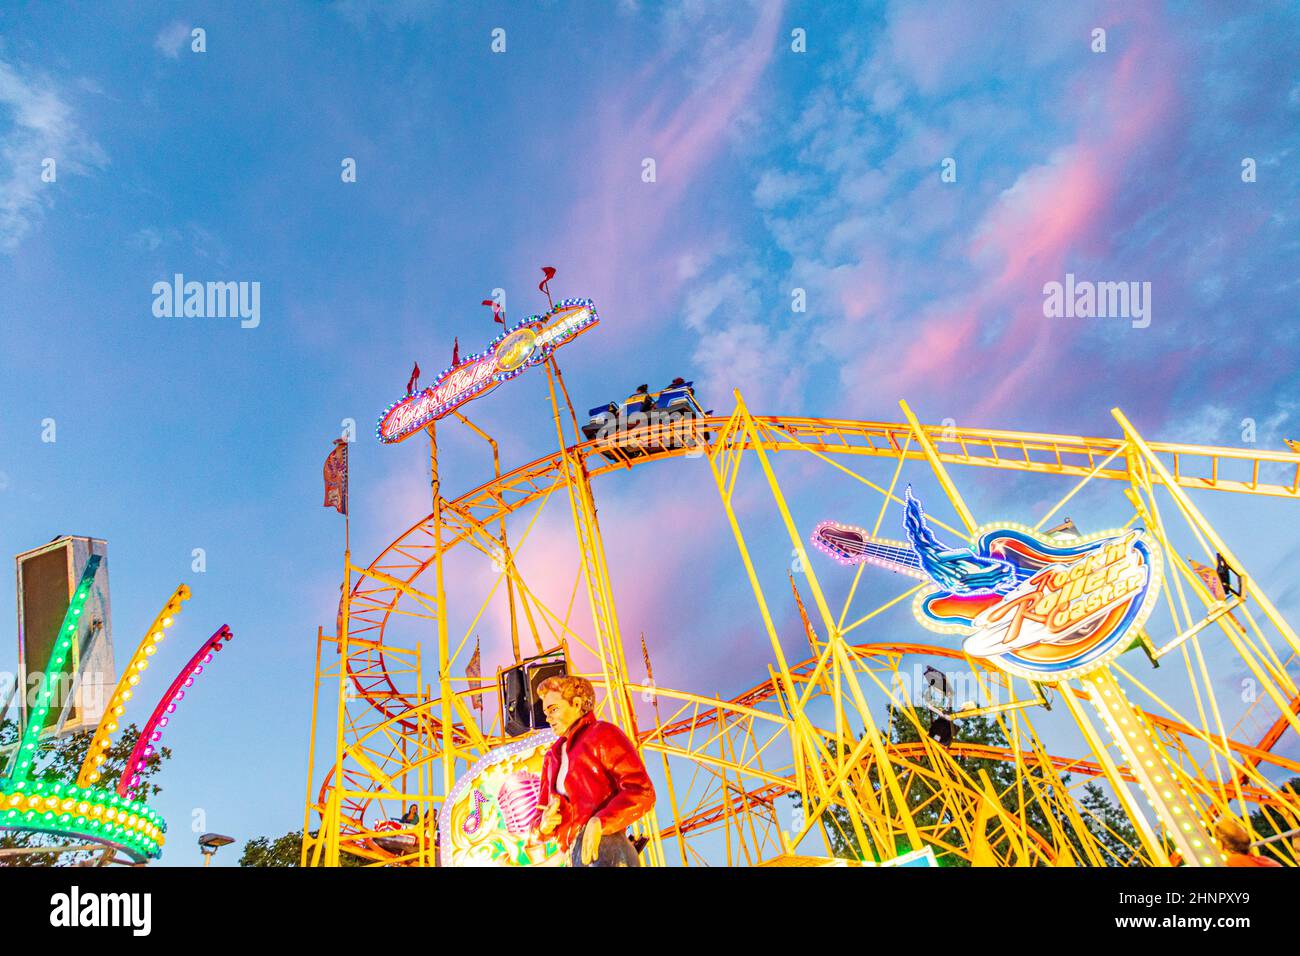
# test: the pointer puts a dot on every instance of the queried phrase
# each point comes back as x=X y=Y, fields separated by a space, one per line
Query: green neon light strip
x=53 y=806
x=26 y=754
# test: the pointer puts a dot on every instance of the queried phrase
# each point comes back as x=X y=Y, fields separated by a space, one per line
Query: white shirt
x=564 y=768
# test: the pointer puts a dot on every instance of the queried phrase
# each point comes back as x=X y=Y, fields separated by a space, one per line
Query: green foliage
x=1104 y=820
x=283 y=851
x=1110 y=825
x=1266 y=824
x=60 y=759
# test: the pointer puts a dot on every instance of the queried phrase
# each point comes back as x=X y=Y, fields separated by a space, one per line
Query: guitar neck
x=903 y=557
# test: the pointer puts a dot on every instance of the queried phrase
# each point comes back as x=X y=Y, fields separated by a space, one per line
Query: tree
x=60 y=758
x=1266 y=823
x=1104 y=820
x=283 y=851
x=1110 y=825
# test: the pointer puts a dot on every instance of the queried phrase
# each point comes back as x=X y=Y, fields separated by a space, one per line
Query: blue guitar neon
x=969 y=579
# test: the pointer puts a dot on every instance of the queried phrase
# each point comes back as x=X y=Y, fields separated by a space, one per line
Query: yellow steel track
x=793 y=733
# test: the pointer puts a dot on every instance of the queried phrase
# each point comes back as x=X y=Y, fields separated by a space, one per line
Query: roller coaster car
x=666 y=411
x=399 y=837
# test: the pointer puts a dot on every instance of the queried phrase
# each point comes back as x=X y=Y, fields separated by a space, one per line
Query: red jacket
x=605 y=779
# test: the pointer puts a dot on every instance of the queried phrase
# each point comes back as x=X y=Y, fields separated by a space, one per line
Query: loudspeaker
x=523 y=705
x=941 y=731
x=1227 y=574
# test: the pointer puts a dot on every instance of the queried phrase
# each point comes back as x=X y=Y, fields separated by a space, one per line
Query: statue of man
x=594 y=785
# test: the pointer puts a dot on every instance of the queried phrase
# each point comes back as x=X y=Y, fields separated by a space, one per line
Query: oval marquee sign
x=511 y=353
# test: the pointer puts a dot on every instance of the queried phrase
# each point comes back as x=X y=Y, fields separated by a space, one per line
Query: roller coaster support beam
x=507 y=559
x=742 y=432
x=1151 y=768
x=1194 y=516
x=595 y=569
x=940 y=472
x=1132 y=809
x=329 y=834
x=445 y=690
x=311 y=756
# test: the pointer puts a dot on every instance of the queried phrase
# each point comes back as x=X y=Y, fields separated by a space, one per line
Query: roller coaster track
x=1193 y=467
x=708 y=718
x=766 y=794
x=380 y=587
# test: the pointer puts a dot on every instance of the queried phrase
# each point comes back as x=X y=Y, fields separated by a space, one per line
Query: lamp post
x=210 y=843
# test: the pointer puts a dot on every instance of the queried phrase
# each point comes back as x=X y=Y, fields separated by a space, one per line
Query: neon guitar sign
x=1043 y=610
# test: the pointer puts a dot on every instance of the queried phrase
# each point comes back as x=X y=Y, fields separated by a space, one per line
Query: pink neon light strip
x=152 y=732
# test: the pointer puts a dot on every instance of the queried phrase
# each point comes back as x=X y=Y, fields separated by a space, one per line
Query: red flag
x=336 y=477
x=455 y=352
x=1212 y=581
x=1211 y=578
x=497 y=314
x=414 y=380
x=474 y=669
x=544 y=285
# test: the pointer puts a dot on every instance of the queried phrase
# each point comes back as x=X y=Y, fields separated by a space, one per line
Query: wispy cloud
x=171 y=39
x=679 y=111
x=1118 y=165
x=42 y=125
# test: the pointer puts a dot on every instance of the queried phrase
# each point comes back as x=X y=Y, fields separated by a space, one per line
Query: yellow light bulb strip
x=97 y=753
x=1151 y=768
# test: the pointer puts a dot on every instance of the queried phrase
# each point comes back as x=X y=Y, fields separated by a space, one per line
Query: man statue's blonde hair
x=576 y=690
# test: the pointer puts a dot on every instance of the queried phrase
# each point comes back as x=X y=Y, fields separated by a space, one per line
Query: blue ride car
x=647 y=421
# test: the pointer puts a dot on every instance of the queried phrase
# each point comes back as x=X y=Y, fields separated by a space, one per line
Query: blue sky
x=775 y=171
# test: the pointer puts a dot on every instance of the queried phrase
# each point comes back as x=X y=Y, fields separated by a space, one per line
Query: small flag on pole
x=803 y=615
x=336 y=477
x=545 y=284
x=455 y=352
x=414 y=380
x=645 y=655
x=474 y=671
x=1211 y=578
x=1215 y=583
x=497 y=314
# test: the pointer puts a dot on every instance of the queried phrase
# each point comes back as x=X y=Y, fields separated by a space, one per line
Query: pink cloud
x=653 y=547
x=1067 y=207
x=619 y=222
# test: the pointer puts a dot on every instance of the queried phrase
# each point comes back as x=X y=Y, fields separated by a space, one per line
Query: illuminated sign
x=1043 y=610
x=511 y=353
x=922 y=857
x=493 y=810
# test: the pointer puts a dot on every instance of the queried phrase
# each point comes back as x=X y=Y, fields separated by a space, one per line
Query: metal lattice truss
x=801 y=763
